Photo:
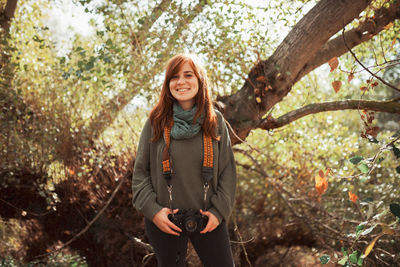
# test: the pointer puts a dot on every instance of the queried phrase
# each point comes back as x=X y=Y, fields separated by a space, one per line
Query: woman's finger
x=213 y=222
x=173 y=226
x=170 y=231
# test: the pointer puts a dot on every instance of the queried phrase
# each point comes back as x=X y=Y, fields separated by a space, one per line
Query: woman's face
x=184 y=86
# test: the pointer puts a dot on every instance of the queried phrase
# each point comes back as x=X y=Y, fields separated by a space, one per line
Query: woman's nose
x=180 y=80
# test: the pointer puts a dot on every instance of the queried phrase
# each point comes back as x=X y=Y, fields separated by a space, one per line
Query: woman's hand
x=212 y=222
x=164 y=224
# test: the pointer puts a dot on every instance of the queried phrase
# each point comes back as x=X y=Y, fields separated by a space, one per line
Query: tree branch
x=381 y=106
x=370 y=72
x=91 y=222
x=8 y=13
x=308 y=36
x=183 y=23
x=275 y=77
x=148 y=23
x=364 y=32
x=117 y=103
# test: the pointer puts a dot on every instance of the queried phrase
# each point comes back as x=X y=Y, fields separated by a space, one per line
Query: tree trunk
x=7 y=14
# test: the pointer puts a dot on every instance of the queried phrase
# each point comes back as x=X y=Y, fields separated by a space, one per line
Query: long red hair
x=161 y=114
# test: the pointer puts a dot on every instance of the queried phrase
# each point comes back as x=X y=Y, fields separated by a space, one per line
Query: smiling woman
x=184 y=179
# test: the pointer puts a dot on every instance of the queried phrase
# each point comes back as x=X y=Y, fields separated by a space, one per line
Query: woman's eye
x=174 y=77
x=188 y=75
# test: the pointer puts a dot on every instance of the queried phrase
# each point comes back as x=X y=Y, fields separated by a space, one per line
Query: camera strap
x=206 y=170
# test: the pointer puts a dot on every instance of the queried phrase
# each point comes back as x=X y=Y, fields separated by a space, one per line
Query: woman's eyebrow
x=187 y=71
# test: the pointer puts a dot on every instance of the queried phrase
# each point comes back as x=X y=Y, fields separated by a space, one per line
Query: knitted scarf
x=183 y=127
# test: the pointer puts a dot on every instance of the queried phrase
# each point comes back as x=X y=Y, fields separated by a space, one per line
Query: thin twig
x=362 y=65
x=90 y=223
x=241 y=241
x=240 y=139
x=383 y=52
x=24 y=211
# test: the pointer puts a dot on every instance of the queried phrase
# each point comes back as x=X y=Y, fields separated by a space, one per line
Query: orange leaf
x=363 y=88
x=353 y=197
x=333 y=63
x=321 y=184
x=373 y=131
x=350 y=77
x=321 y=173
x=268 y=87
x=336 y=85
x=371 y=245
x=393 y=42
x=387 y=230
x=388 y=26
x=260 y=78
x=71 y=171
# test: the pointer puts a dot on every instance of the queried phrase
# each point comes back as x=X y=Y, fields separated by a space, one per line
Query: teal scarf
x=183 y=127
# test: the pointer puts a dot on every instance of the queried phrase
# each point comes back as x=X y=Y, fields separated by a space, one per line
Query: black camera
x=190 y=221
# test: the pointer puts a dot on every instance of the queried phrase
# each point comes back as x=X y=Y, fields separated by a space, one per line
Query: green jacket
x=149 y=187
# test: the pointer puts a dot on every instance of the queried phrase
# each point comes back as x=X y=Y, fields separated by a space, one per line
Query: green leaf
x=380 y=160
x=355 y=160
x=66 y=75
x=344 y=251
x=360 y=261
x=396 y=151
x=395 y=135
x=141 y=21
x=359 y=228
x=37 y=39
x=343 y=261
x=109 y=42
x=354 y=256
x=89 y=65
x=325 y=259
x=372 y=139
x=363 y=167
x=395 y=209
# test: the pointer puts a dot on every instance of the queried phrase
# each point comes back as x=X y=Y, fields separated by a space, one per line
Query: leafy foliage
x=71 y=119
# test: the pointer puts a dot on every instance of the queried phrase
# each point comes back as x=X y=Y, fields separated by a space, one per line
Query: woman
x=184 y=177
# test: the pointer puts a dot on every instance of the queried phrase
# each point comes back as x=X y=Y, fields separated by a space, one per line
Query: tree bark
x=306 y=47
x=380 y=106
x=7 y=15
x=364 y=32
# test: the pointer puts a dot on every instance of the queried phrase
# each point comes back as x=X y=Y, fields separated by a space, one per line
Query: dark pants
x=213 y=248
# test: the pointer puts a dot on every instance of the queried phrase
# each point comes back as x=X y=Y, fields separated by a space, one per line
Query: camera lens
x=190 y=224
